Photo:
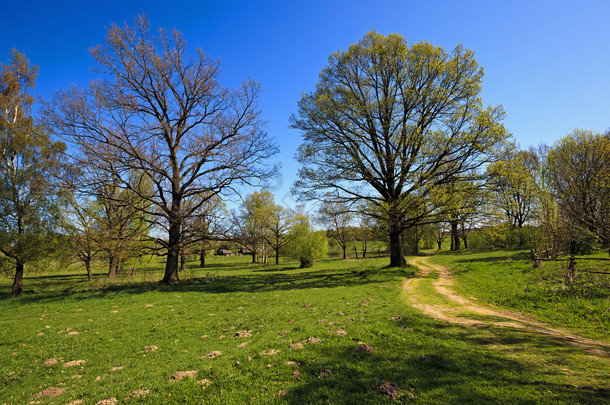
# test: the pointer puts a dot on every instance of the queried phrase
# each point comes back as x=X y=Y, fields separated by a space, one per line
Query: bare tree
x=159 y=112
x=279 y=225
x=337 y=219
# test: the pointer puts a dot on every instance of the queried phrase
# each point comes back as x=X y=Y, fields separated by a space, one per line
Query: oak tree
x=160 y=111
x=388 y=123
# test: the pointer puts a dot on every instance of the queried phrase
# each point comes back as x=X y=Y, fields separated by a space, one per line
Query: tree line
x=396 y=139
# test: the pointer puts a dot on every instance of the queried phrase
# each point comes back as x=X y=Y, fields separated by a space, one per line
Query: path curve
x=457 y=308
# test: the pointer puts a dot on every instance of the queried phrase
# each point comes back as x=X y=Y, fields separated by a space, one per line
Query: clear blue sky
x=546 y=62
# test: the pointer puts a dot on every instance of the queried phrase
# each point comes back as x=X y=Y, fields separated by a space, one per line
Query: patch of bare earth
x=363 y=348
x=107 y=401
x=51 y=392
x=75 y=363
x=243 y=333
x=53 y=361
x=389 y=390
x=139 y=393
x=462 y=306
x=211 y=355
x=150 y=348
x=180 y=375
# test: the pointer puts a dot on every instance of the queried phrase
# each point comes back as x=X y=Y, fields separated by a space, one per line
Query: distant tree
x=208 y=225
x=337 y=219
x=30 y=163
x=439 y=232
x=250 y=223
x=579 y=174
x=389 y=123
x=514 y=187
x=80 y=221
x=306 y=244
x=458 y=206
x=364 y=232
x=279 y=225
x=159 y=112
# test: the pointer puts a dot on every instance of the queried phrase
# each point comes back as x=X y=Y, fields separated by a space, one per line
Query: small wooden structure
x=224 y=252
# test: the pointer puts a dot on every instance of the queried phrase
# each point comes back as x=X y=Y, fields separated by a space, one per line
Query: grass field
x=244 y=333
x=507 y=278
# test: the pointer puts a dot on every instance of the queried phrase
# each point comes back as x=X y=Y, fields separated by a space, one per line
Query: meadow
x=341 y=332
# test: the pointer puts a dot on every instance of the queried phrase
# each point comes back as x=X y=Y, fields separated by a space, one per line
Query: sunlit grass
x=343 y=304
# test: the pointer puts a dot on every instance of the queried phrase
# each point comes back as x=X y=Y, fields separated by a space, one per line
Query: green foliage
x=579 y=174
x=389 y=123
x=505 y=236
x=515 y=191
x=305 y=243
x=30 y=163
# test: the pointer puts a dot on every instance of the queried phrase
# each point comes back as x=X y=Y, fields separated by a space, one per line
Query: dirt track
x=467 y=311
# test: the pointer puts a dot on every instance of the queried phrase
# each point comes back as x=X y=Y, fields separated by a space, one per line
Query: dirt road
x=431 y=292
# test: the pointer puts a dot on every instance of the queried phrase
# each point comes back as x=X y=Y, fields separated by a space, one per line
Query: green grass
x=507 y=278
x=434 y=362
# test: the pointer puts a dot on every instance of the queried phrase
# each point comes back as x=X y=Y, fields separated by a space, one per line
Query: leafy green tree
x=30 y=163
x=579 y=174
x=159 y=111
x=514 y=187
x=389 y=123
x=250 y=223
x=306 y=244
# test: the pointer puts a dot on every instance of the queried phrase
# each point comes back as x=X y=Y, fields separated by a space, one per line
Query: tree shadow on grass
x=250 y=282
x=446 y=364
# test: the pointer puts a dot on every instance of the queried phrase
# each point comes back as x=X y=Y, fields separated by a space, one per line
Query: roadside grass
x=506 y=278
x=134 y=334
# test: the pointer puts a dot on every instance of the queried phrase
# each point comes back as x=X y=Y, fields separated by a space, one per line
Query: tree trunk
x=440 y=244
x=397 y=258
x=202 y=258
x=455 y=236
x=355 y=251
x=112 y=265
x=465 y=238
x=277 y=257
x=88 y=267
x=364 y=248
x=182 y=262
x=18 y=281
x=344 y=247
x=173 y=254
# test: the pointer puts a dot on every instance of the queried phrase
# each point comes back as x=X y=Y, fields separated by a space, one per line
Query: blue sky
x=546 y=62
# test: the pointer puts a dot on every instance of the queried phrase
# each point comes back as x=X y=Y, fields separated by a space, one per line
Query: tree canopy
x=388 y=122
x=161 y=112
